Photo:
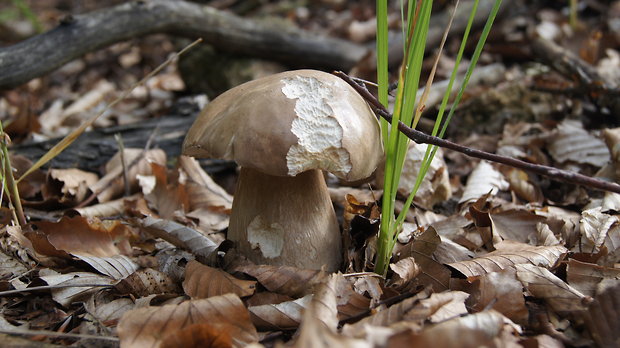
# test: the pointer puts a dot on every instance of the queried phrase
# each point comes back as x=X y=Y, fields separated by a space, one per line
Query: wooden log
x=81 y=34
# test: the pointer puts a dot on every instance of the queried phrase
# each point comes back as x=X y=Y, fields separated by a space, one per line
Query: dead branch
x=81 y=34
x=422 y=138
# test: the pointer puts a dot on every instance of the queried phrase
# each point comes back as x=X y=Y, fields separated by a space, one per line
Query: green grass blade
x=382 y=61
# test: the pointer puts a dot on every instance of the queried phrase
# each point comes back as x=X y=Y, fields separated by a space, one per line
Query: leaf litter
x=490 y=255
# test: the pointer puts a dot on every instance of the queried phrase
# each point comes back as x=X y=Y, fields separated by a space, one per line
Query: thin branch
x=423 y=138
x=51 y=287
x=55 y=334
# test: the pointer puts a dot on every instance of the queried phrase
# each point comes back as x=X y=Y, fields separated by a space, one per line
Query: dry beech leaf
x=183 y=237
x=521 y=184
x=603 y=317
x=203 y=281
x=544 y=236
x=575 y=144
x=203 y=192
x=600 y=232
x=100 y=243
x=501 y=291
x=209 y=221
x=112 y=184
x=285 y=280
x=266 y=298
x=475 y=330
x=516 y=225
x=282 y=316
x=318 y=327
x=148 y=281
x=107 y=308
x=167 y=196
x=148 y=327
x=404 y=270
x=10 y=267
x=545 y=285
x=72 y=184
x=586 y=277
x=438 y=307
x=349 y=302
x=197 y=336
x=111 y=208
x=449 y=251
x=421 y=248
x=482 y=180
x=508 y=254
x=67 y=295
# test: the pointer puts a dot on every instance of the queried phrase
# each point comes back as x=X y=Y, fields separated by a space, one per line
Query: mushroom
x=283 y=130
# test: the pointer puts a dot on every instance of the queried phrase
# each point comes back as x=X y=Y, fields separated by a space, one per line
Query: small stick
x=121 y=147
x=423 y=138
x=51 y=287
x=25 y=332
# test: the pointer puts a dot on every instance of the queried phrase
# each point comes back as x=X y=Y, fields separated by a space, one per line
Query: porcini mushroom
x=283 y=130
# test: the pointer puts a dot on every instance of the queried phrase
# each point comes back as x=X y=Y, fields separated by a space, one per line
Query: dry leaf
x=349 y=302
x=148 y=327
x=282 y=316
x=285 y=280
x=203 y=192
x=508 y=254
x=573 y=143
x=148 y=281
x=197 y=336
x=501 y=291
x=522 y=185
x=107 y=308
x=165 y=197
x=515 y=224
x=183 y=237
x=112 y=184
x=111 y=208
x=203 y=281
x=100 y=243
x=70 y=185
x=600 y=233
x=586 y=277
x=482 y=180
x=543 y=284
x=10 y=267
x=73 y=285
x=603 y=317
x=405 y=271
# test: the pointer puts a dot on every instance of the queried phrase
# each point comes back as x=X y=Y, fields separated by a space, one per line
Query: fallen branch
x=81 y=34
x=422 y=138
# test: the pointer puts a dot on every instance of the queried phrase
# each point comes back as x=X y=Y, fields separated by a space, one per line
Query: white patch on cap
x=268 y=238
x=319 y=134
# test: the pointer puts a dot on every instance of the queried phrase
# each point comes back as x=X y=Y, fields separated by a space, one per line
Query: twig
x=55 y=334
x=121 y=148
x=51 y=287
x=423 y=138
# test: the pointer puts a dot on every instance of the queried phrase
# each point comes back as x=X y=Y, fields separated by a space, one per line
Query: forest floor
x=136 y=254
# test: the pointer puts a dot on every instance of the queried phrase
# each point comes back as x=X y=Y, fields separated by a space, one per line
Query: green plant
x=416 y=20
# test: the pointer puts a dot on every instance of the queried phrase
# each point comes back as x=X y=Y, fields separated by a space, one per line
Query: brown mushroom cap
x=288 y=123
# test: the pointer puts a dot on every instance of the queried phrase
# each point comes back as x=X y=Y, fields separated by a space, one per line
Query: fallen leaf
x=197 y=336
x=285 y=280
x=148 y=327
x=508 y=254
x=483 y=179
x=438 y=307
x=203 y=192
x=183 y=237
x=282 y=316
x=602 y=316
x=148 y=281
x=71 y=186
x=110 y=208
x=545 y=285
x=573 y=143
x=586 y=277
x=107 y=308
x=600 y=233
x=405 y=271
x=168 y=195
x=203 y=282
x=73 y=285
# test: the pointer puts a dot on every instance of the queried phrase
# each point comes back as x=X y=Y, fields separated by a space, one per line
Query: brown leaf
x=603 y=316
x=587 y=277
x=70 y=186
x=573 y=143
x=69 y=294
x=203 y=281
x=501 y=291
x=405 y=271
x=421 y=248
x=522 y=185
x=148 y=281
x=203 y=192
x=515 y=224
x=148 y=327
x=508 y=254
x=543 y=284
x=600 y=233
x=110 y=208
x=290 y=281
x=167 y=195
x=349 y=302
x=183 y=237
x=112 y=184
x=482 y=180
x=197 y=336
x=282 y=316
x=101 y=243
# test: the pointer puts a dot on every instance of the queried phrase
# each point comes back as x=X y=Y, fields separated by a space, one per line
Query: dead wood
x=81 y=34
x=94 y=148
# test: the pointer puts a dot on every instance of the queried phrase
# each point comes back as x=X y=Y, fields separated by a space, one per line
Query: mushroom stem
x=285 y=220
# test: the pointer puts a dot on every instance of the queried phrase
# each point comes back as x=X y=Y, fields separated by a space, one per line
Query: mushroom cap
x=287 y=123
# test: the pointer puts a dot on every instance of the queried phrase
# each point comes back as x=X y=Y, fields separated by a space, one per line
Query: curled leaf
x=203 y=281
